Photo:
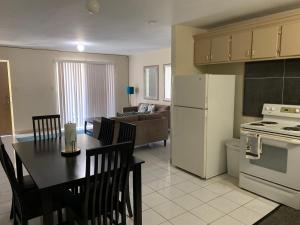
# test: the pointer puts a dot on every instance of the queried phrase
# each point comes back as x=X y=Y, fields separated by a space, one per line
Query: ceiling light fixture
x=80 y=47
x=93 y=6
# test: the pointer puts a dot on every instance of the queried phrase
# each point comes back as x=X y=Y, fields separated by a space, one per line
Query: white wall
x=136 y=73
x=33 y=81
x=183 y=50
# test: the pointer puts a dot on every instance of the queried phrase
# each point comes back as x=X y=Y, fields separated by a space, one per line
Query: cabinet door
x=241 y=45
x=290 y=44
x=220 y=49
x=265 y=42
x=202 y=51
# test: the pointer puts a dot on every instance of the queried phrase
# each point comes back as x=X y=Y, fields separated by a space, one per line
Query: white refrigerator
x=201 y=121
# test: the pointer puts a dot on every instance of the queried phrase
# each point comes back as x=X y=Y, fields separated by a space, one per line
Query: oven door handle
x=275 y=138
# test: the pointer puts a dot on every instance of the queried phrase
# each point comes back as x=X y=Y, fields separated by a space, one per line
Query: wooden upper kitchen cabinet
x=220 y=48
x=265 y=42
x=290 y=39
x=202 y=51
x=241 y=45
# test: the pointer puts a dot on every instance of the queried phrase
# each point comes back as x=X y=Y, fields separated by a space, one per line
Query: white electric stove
x=275 y=174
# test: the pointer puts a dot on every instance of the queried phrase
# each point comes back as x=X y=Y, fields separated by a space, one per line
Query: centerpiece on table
x=70 y=140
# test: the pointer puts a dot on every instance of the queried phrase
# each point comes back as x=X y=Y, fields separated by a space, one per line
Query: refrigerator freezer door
x=190 y=91
x=189 y=139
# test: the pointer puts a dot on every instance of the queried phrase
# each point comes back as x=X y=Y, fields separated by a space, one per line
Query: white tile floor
x=172 y=196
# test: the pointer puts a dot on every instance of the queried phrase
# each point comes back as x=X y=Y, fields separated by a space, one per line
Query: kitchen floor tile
x=158 y=184
x=223 y=204
x=226 y=220
x=204 y=195
x=146 y=190
x=219 y=188
x=187 y=186
x=154 y=199
x=171 y=192
x=187 y=219
x=238 y=197
x=207 y=213
x=150 y=217
x=173 y=179
x=188 y=202
x=259 y=207
x=245 y=215
x=169 y=210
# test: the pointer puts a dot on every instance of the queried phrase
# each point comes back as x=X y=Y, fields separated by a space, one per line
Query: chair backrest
x=107 y=174
x=10 y=173
x=46 y=127
x=127 y=133
x=106 y=134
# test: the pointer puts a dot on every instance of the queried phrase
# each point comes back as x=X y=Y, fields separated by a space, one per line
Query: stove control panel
x=289 y=110
x=292 y=111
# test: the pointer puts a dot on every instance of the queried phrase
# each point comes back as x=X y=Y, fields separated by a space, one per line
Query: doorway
x=6 y=127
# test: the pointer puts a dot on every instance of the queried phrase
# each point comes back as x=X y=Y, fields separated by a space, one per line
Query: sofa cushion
x=160 y=108
x=151 y=108
x=152 y=116
x=126 y=118
x=143 y=107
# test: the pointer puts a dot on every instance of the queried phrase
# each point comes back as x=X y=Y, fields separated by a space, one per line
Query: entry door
x=5 y=114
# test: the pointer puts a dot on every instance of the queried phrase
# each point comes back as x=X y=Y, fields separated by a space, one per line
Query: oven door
x=279 y=162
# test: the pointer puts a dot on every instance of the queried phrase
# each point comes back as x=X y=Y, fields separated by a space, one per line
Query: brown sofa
x=163 y=110
x=149 y=128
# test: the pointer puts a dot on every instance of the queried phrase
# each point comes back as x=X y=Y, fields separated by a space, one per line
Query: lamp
x=130 y=91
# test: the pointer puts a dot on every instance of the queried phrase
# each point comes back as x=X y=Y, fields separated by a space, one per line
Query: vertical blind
x=86 y=89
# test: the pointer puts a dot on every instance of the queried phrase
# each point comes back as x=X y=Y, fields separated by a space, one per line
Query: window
x=86 y=89
x=151 y=82
x=167 y=82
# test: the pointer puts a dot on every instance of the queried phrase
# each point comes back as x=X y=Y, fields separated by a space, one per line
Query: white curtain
x=86 y=89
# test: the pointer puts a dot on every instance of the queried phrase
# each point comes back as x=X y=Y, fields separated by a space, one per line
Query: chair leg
x=129 y=208
x=70 y=219
x=59 y=216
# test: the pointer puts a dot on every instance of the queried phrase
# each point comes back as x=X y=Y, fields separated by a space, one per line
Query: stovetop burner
x=269 y=122
x=292 y=128
x=257 y=124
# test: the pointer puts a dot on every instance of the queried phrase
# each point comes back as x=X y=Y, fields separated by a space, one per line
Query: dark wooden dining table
x=51 y=171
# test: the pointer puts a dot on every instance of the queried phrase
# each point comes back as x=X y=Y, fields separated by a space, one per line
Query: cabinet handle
x=253 y=52
x=207 y=57
x=211 y=57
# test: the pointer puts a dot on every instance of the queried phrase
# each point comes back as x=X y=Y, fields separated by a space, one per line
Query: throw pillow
x=151 y=108
x=143 y=107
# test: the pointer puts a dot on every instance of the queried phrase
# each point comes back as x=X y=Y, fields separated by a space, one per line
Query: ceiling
x=122 y=26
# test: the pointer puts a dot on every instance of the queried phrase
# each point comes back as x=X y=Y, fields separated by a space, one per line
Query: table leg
x=137 y=195
x=47 y=207
x=19 y=166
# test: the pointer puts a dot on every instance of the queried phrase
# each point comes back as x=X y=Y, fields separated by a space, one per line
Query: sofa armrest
x=130 y=109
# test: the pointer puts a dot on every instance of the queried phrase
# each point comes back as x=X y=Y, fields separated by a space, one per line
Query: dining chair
x=27 y=183
x=104 y=198
x=127 y=133
x=26 y=202
x=46 y=127
x=106 y=134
